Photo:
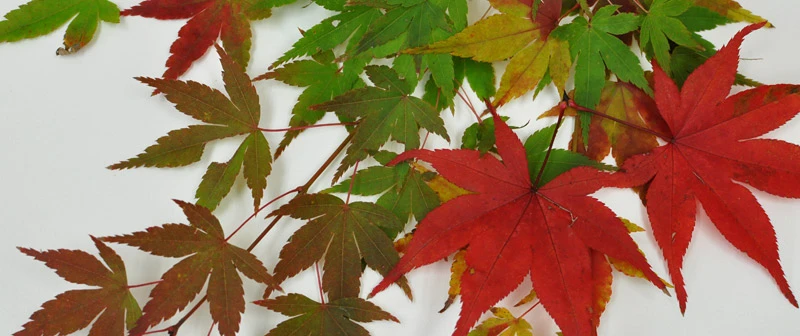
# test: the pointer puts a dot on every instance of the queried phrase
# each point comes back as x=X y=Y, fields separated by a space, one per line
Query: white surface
x=64 y=119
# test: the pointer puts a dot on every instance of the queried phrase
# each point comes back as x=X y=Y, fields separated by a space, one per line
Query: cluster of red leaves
x=512 y=228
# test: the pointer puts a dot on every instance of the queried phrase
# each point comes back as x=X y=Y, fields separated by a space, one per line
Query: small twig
x=300 y=128
x=529 y=309
x=550 y=147
x=212 y=328
x=352 y=182
x=259 y=210
x=173 y=330
x=639 y=4
x=572 y=104
x=569 y=12
x=470 y=106
x=319 y=284
x=144 y=284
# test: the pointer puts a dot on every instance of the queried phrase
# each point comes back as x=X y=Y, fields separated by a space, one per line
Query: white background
x=64 y=119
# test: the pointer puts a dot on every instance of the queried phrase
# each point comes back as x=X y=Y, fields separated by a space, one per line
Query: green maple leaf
x=342 y=234
x=660 y=24
x=684 y=60
x=403 y=189
x=410 y=24
x=383 y=111
x=209 y=257
x=228 y=117
x=40 y=17
x=351 y=23
x=322 y=80
x=311 y=318
x=516 y=35
x=559 y=161
x=595 y=49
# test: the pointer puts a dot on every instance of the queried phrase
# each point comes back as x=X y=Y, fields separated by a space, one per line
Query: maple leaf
x=410 y=24
x=710 y=144
x=228 y=20
x=351 y=23
x=403 y=189
x=311 y=318
x=207 y=251
x=512 y=228
x=503 y=324
x=661 y=23
x=594 y=48
x=684 y=60
x=323 y=81
x=343 y=234
x=76 y=309
x=624 y=102
x=513 y=34
x=40 y=17
x=384 y=110
x=732 y=10
x=228 y=117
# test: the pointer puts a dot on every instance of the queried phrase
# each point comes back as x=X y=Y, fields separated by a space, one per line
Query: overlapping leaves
x=513 y=34
x=228 y=20
x=337 y=317
x=209 y=257
x=385 y=110
x=512 y=227
x=342 y=234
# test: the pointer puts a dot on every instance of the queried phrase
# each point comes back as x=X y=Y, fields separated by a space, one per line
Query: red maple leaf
x=512 y=227
x=76 y=309
x=709 y=146
x=228 y=20
x=209 y=257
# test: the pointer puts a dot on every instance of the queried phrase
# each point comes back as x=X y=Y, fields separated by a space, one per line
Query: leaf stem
x=563 y=107
x=212 y=328
x=469 y=105
x=352 y=182
x=585 y=7
x=300 y=128
x=529 y=310
x=173 y=330
x=569 y=11
x=259 y=210
x=319 y=284
x=639 y=4
x=574 y=105
x=144 y=284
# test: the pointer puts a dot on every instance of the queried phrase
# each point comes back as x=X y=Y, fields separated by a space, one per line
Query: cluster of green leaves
x=386 y=69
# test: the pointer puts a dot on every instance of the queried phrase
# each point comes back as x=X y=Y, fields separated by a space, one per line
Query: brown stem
x=639 y=4
x=144 y=284
x=568 y=12
x=173 y=330
x=550 y=147
x=300 y=128
x=469 y=105
x=319 y=284
x=574 y=105
x=529 y=310
x=259 y=210
x=352 y=182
